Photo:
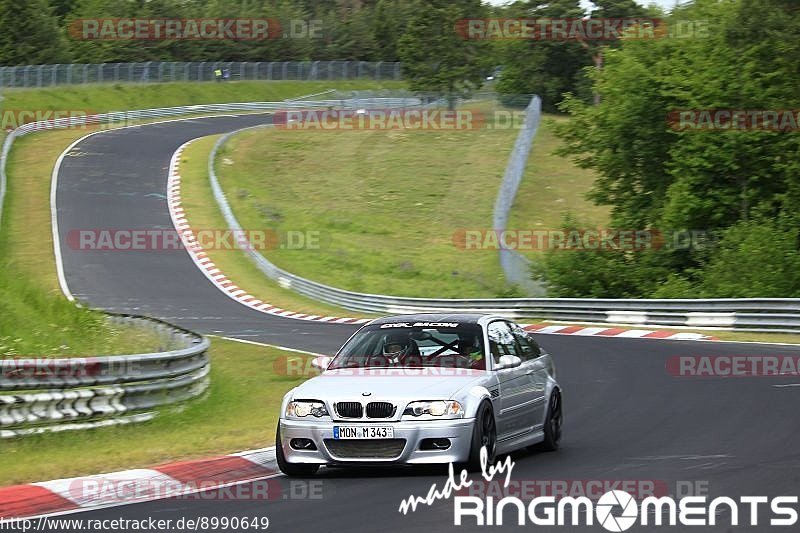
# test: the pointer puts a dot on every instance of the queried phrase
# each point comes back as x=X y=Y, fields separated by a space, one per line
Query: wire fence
x=28 y=76
x=516 y=267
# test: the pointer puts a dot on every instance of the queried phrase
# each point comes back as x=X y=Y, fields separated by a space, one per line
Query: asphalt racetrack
x=627 y=418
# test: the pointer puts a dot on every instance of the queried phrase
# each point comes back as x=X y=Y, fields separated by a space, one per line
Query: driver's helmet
x=469 y=345
x=396 y=345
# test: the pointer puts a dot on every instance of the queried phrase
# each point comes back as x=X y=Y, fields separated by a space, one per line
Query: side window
x=529 y=348
x=501 y=341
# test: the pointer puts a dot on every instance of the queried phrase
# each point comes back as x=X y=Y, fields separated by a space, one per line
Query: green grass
x=126 y=96
x=239 y=412
x=202 y=212
x=35 y=319
x=385 y=204
x=552 y=187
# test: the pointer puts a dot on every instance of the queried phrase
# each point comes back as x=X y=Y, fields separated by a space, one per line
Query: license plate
x=363 y=432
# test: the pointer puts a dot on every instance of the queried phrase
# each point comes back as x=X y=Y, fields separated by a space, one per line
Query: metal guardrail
x=39 y=395
x=26 y=76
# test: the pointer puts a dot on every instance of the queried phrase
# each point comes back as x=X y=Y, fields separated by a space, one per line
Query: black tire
x=484 y=433
x=291 y=469
x=553 y=423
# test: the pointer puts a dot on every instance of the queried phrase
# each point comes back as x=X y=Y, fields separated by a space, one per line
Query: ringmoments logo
x=618 y=510
x=615 y=510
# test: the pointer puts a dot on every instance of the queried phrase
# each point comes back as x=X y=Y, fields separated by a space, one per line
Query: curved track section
x=117 y=180
x=628 y=418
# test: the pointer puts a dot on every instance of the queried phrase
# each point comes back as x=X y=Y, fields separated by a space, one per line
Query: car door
x=537 y=372
x=516 y=386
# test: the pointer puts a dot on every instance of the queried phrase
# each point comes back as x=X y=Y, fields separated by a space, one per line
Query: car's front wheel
x=484 y=434
x=291 y=469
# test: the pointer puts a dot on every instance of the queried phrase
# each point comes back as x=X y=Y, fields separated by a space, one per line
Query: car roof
x=462 y=318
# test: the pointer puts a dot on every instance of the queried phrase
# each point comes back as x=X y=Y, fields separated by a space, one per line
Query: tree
x=389 y=22
x=29 y=34
x=436 y=58
x=548 y=69
x=740 y=185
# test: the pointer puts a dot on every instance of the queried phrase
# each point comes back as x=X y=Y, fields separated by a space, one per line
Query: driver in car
x=399 y=348
x=469 y=346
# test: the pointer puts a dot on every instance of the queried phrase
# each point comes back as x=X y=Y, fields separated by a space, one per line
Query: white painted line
x=256 y=343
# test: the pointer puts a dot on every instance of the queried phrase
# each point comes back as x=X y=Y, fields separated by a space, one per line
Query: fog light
x=302 y=444
x=434 y=444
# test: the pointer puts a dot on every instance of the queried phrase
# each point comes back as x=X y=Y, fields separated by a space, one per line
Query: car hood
x=387 y=384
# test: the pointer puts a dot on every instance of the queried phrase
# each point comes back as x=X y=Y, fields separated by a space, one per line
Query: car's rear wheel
x=291 y=469
x=484 y=433
x=553 y=422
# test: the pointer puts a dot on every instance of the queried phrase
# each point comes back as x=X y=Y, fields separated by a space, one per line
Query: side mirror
x=508 y=361
x=322 y=362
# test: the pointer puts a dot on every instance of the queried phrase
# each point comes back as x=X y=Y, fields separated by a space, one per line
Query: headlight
x=449 y=409
x=304 y=408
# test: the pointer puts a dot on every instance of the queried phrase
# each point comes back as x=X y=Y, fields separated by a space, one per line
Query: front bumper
x=458 y=431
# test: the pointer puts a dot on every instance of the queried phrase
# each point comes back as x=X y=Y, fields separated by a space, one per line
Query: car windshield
x=414 y=345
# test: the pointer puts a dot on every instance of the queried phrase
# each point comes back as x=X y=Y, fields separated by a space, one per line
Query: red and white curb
x=207 y=266
x=599 y=331
x=175 y=480
x=218 y=278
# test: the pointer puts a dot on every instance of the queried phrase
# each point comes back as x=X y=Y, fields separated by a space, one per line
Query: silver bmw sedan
x=427 y=388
